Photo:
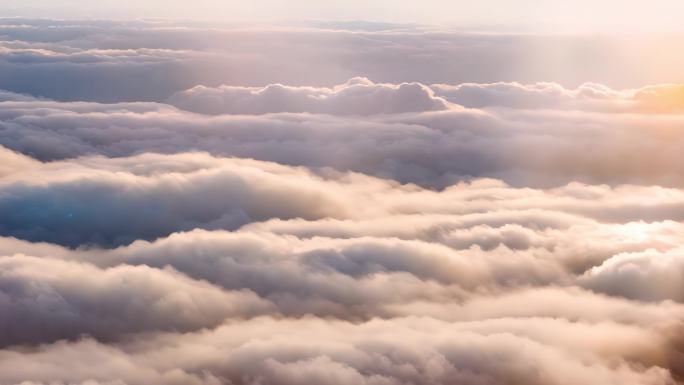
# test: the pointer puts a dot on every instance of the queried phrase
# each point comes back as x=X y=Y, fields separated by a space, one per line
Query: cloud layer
x=109 y=61
x=433 y=220
x=556 y=282
x=412 y=133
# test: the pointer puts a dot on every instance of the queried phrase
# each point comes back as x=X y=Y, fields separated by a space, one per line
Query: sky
x=341 y=193
x=580 y=16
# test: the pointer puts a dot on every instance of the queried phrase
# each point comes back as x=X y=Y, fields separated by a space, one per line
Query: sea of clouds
x=332 y=205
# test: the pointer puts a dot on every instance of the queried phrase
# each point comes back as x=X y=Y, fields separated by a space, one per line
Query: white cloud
x=46 y=300
x=359 y=96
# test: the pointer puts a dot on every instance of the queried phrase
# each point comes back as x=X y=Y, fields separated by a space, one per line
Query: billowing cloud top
x=359 y=96
x=163 y=223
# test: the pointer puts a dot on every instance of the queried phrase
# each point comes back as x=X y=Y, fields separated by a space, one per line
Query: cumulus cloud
x=646 y=275
x=117 y=201
x=45 y=300
x=359 y=96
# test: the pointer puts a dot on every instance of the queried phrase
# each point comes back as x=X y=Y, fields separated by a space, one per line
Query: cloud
x=467 y=273
x=11 y=162
x=114 y=201
x=589 y=96
x=317 y=285
x=359 y=96
x=107 y=201
x=522 y=146
x=334 y=352
x=655 y=99
x=44 y=300
x=646 y=275
x=109 y=61
x=7 y=96
x=331 y=244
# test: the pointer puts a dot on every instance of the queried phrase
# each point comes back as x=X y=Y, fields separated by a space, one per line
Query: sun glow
x=667 y=98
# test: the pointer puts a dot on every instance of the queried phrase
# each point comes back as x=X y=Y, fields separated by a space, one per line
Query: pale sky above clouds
x=553 y=15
